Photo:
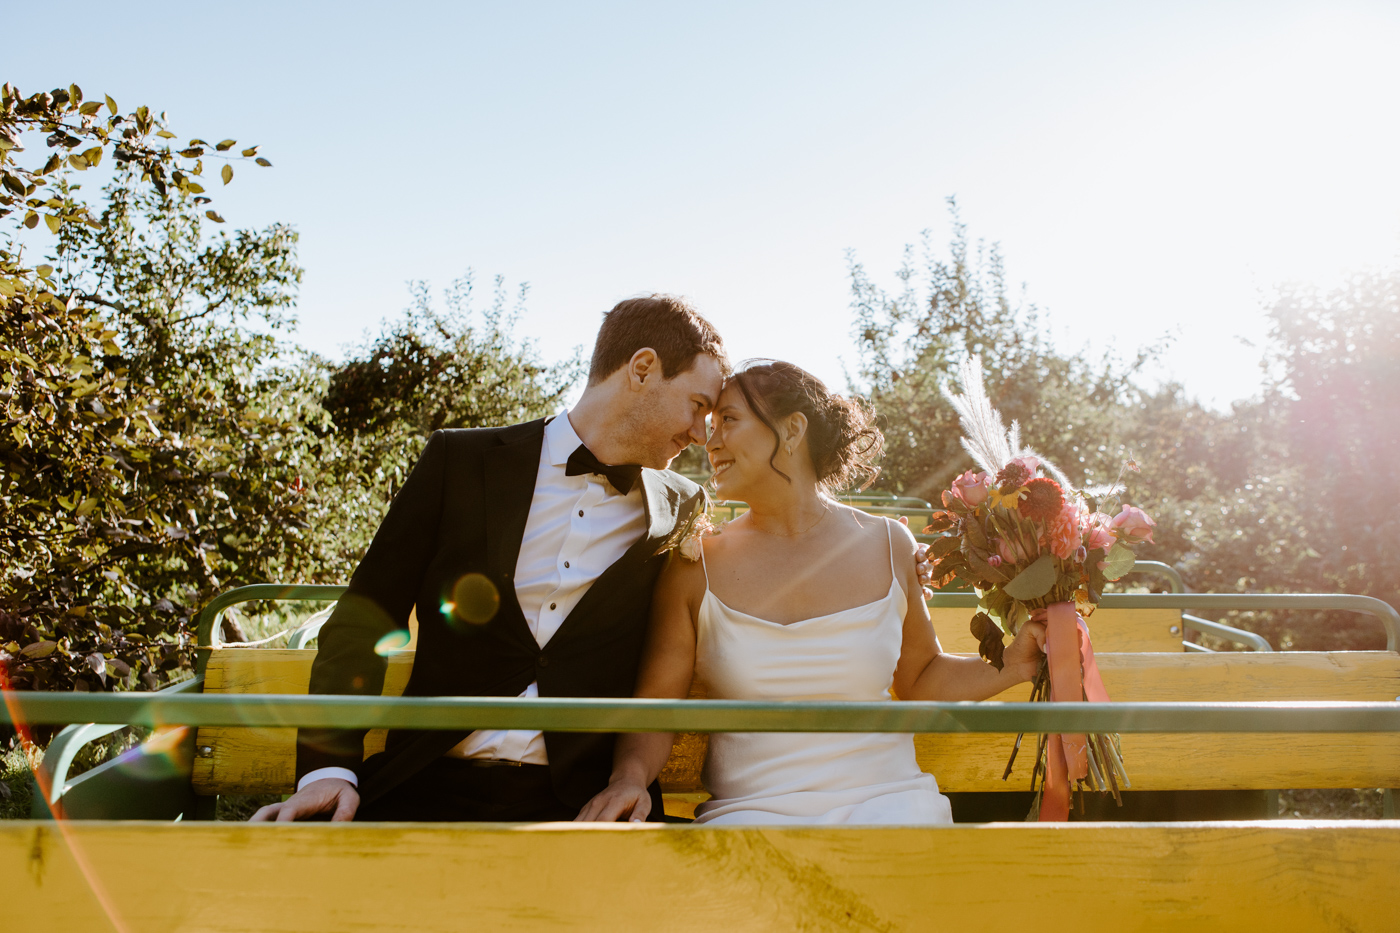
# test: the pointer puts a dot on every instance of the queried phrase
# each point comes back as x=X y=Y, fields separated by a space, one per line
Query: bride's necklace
x=826 y=510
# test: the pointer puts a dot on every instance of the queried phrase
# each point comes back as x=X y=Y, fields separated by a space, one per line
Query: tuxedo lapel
x=661 y=502
x=510 y=470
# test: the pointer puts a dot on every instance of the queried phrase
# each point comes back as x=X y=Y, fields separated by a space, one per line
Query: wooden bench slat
x=313 y=877
x=1112 y=630
x=261 y=760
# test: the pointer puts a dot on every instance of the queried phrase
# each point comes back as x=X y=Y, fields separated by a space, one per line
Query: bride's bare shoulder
x=681 y=577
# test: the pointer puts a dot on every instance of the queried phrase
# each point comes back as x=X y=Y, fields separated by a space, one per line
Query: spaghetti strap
x=889 y=535
x=703 y=569
x=894 y=574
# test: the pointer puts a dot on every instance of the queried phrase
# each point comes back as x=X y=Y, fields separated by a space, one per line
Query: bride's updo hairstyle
x=841 y=433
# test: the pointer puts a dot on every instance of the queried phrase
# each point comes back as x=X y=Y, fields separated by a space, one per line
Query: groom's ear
x=643 y=366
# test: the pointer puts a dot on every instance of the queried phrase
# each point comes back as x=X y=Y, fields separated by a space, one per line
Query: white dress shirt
x=578 y=527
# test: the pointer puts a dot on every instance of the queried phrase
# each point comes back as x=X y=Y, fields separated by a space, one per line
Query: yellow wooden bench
x=261 y=760
x=332 y=877
x=1083 y=877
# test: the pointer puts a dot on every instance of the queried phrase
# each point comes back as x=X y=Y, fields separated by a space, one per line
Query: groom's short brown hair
x=668 y=324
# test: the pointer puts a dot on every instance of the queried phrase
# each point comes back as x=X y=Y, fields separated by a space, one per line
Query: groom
x=529 y=553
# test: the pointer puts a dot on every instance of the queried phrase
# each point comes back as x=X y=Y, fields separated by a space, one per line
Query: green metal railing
x=633 y=715
x=207 y=629
x=206 y=623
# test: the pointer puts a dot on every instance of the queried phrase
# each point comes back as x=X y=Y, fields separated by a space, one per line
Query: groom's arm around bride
x=565 y=521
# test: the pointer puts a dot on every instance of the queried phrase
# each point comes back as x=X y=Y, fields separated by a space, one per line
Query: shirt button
x=580 y=513
x=553 y=605
x=544 y=662
x=566 y=565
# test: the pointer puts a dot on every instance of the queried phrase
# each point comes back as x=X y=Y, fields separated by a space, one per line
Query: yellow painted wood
x=683 y=805
x=1275 y=877
x=262 y=760
x=1113 y=630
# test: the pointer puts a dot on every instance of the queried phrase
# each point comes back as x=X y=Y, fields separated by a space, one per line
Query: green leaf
x=1120 y=561
x=44 y=270
x=111 y=104
x=990 y=639
x=943 y=546
x=53 y=222
x=1035 y=581
x=226 y=144
x=40 y=649
x=250 y=152
x=166 y=134
x=214 y=216
x=263 y=162
x=227 y=174
x=90 y=108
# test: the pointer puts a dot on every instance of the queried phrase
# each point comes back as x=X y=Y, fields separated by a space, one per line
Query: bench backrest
x=1113 y=630
x=235 y=760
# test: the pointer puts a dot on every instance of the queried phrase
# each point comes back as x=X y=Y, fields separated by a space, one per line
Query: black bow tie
x=623 y=476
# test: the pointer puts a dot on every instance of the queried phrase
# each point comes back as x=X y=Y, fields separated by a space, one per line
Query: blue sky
x=1149 y=169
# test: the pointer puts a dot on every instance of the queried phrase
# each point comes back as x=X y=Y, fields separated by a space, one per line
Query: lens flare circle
x=398 y=638
x=475 y=601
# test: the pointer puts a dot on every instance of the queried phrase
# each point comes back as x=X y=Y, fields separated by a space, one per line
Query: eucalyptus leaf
x=1035 y=581
x=1119 y=561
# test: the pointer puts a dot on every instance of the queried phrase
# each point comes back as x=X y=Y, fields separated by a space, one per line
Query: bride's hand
x=922 y=564
x=1025 y=651
x=621 y=800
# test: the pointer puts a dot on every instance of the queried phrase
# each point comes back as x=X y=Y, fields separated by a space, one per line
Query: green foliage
x=433 y=370
x=159 y=442
x=104 y=471
x=1292 y=491
x=911 y=342
x=71 y=123
x=455 y=368
x=150 y=446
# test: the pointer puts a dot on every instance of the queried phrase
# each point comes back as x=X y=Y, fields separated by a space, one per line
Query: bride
x=800 y=598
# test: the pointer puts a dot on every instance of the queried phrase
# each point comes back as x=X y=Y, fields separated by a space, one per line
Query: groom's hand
x=621 y=800
x=328 y=795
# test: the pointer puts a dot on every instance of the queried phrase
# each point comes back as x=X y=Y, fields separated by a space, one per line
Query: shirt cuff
x=345 y=774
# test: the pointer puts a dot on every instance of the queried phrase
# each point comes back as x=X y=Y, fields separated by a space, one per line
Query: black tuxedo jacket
x=463 y=510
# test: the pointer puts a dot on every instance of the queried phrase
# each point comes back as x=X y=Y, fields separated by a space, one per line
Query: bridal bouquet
x=1034 y=547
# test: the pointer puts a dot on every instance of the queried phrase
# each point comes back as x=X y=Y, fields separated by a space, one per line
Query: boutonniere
x=690 y=546
x=685 y=540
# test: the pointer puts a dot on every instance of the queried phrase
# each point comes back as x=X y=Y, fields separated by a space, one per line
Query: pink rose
x=1098 y=535
x=1133 y=526
x=1030 y=464
x=972 y=488
x=1011 y=552
x=1062 y=533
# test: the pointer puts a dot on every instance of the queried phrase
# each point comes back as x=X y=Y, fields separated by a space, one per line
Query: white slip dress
x=810 y=777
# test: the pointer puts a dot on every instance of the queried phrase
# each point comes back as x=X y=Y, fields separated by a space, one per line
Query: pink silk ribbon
x=1074 y=676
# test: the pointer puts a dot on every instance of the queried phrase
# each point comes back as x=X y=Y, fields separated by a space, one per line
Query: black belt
x=492 y=763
